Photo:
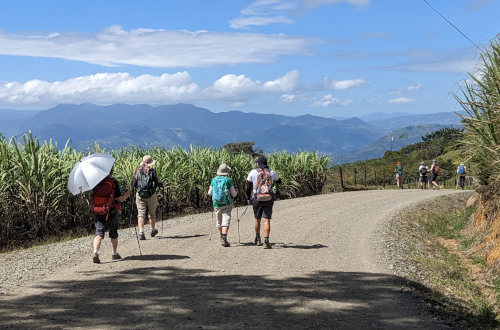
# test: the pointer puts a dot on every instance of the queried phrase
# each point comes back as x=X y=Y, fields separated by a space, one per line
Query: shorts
x=434 y=177
x=146 y=205
x=223 y=215
x=101 y=225
x=262 y=209
x=422 y=179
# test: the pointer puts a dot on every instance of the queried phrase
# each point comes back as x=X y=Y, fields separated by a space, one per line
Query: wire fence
x=355 y=179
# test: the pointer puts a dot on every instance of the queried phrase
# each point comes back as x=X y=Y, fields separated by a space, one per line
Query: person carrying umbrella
x=94 y=172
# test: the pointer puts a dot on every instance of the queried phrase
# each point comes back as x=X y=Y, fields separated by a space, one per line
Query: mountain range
x=122 y=125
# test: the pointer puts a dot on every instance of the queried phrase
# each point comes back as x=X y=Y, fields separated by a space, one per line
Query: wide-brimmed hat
x=148 y=160
x=261 y=162
x=422 y=163
x=223 y=170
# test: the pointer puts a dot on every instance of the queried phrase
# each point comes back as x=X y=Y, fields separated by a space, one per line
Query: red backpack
x=263 y=191
x=103 y=197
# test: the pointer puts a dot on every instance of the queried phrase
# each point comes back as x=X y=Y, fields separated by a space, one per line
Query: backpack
x=220 y=190
x=399 y=169
x=461 y=170
x=436 y=169
x=145 y=184
x=103 y=197
x=263 y=191
x=423 y=170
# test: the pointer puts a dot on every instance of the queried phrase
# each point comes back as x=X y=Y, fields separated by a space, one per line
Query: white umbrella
x=89 y=171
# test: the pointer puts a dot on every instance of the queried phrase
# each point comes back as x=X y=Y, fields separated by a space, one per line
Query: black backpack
x=145 y=184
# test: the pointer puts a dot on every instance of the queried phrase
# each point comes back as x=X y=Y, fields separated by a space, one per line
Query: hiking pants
x=223 y=215
x=146 y=205
x=461 y=181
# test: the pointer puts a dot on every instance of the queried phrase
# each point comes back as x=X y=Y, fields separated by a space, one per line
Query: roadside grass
x=432 y=235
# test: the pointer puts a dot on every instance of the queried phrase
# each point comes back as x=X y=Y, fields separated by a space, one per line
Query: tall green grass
x=36 y=204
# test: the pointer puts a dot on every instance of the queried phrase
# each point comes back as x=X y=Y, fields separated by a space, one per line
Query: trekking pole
x=131 y=214
x=161 y=209
x=210 y=227
x=238 y=217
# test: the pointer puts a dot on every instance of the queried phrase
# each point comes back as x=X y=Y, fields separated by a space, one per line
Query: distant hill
x=440 y=118
x=122 y=125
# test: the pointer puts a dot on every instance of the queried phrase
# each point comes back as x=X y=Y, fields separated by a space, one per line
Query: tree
x=481 y=102
x=243 y=147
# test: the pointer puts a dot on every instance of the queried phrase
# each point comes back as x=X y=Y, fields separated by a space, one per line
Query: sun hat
x=261 y=162
x=148 y=160
x=461 y=164
x=433 y=160
x=399 y=163
x=223 y=170
x=422 y=163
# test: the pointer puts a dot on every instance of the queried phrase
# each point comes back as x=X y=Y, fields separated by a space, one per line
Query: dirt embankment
x=487 y=222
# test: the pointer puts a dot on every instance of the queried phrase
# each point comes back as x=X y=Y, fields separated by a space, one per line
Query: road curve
x=322 y=272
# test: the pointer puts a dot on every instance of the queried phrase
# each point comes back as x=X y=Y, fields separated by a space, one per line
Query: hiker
x=399 y=175
x=422 y=170
x=434 y=172
x=106 y=214
x=461 y=171
x=260 y=193
x=222 y=191
x=145 y=181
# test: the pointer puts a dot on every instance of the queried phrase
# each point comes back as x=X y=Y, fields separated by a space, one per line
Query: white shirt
x=421 y=167
x=252 y=176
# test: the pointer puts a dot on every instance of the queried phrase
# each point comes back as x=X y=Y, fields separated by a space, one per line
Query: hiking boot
x=225 y=243
x=95 y=258
x=116 y=256
x=258 y=242
x=154 y=232
x=267 y=245
x=142 y=237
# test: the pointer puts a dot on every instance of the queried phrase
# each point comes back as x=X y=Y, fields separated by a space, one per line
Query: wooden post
x=355 y=172
x=365 y=177
x=375 y=174
x=341 y=179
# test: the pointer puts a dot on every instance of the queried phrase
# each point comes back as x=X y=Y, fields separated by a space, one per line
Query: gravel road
x=324 y=271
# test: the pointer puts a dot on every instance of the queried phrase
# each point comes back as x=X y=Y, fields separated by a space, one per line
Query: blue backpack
x=220 y=190
x=461 y=170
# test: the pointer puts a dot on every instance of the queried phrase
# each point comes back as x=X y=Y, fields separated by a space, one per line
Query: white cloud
x=264 y=12
x=329 y=100
x=156 y=48
x=108 y=88
x=288 y=98
x=413 y=88
x=401 y=100
x=344 y=84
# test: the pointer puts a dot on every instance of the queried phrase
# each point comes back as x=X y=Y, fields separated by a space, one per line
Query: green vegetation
x=447 y=225
x=481 y=101
x=36 y=204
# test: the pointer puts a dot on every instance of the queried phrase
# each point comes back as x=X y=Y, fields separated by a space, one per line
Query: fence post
x=341 y=179
x=383 y=181
x=355 y=172
x=365 y=177
x=375 y=174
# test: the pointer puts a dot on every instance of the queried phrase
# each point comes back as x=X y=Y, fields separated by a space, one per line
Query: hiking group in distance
x=108 y=194
x=260 y=191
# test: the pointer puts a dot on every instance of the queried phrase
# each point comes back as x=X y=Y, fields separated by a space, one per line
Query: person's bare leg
x=97 y=242
x=152 y=222
x=256 y=226
x=267 y=230
x=114 y=244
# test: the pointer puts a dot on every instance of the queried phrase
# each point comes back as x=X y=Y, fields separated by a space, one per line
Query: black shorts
x=101 y=225
x=262 y=209
x=434 y=177
x=423 y=178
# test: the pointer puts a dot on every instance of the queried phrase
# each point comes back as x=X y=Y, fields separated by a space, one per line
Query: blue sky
x=332 y=58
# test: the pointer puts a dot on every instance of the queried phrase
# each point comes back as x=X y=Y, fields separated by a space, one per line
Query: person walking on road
x=146 y=181
x=260 y=192
x=399 y=175
x=222 y=191
x=422 y=170
x=461 y=171
x=106 y=199
x=434 y=172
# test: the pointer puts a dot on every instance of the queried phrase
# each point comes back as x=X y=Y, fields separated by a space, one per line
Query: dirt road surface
x=322 y=272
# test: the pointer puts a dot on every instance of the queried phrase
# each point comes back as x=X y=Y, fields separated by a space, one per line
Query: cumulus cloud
x=264 y=12
x=108 y=88
x=328 y=100
x=411 y=88
x=344 y=84
x=156 y=48
x=401 y=100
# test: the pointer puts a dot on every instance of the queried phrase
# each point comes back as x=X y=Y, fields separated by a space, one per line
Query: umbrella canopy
x=89 y=171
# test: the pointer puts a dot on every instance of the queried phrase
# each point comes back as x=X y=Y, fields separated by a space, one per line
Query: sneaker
x=258 y=242
x=116 y=256
x=225 y=243
x=267 y=245
x=142 y=237
x=95 y=258
x=154 y=232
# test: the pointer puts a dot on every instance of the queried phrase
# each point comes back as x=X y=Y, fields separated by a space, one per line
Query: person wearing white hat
x=461 y=171
x=222 y=191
